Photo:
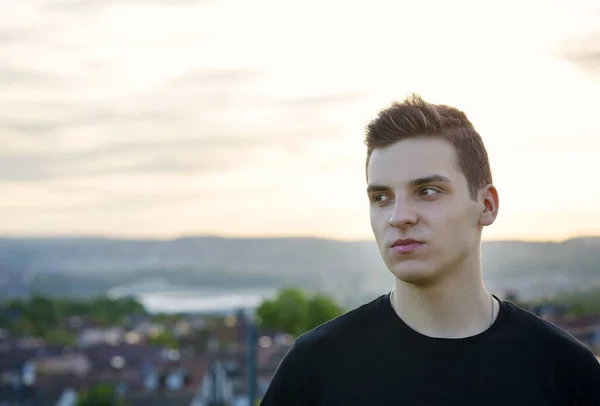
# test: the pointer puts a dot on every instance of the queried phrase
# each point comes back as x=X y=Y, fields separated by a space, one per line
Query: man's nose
x=403 y=215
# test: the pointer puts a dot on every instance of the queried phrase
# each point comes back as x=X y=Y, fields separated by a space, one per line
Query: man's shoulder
x=554 y=338
x=350 y=324
x=576 y=369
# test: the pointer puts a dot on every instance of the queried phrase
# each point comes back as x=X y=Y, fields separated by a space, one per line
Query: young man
x=439 y=338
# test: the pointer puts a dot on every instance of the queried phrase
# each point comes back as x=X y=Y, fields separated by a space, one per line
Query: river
x=158 y=296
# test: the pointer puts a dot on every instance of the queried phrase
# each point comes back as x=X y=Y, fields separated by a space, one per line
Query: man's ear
x=488 y=196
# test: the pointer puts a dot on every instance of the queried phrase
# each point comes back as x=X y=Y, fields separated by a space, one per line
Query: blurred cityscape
x=149 y=120
x=78 y=338
x=116 y=353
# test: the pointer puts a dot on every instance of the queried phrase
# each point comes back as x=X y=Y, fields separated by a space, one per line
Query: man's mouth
x=406 y=245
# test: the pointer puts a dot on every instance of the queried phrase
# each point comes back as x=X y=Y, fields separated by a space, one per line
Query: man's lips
x=406 y=245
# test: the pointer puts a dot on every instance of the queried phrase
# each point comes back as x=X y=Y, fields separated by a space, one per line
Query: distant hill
x=351 y=271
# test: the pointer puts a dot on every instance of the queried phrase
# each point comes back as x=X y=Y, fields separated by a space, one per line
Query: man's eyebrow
x=429 y=179
x=377 y=188
x=415 y=182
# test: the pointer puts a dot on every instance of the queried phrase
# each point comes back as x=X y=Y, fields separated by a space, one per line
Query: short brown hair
x=413 y=117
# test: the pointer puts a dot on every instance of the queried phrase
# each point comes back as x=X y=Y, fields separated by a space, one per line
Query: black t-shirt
x=369 y=356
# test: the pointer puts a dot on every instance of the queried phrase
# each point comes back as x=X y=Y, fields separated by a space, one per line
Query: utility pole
x=251 y=355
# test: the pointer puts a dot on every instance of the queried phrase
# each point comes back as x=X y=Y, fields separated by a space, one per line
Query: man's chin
x=414 y=273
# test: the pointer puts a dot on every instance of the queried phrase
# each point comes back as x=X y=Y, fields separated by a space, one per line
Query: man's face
x=423 y=218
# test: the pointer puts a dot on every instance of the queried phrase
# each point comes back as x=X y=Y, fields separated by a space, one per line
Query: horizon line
x=99 y=236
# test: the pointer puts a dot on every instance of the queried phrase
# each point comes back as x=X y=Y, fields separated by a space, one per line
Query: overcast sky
x=148 y=118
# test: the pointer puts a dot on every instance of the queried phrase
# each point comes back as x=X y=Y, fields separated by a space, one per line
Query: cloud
x=324 y=99
x=588 y=60
x=80 y=5
x=583 y=51
x=212 y=77
x=31 y=168
x=201 y=155
x=196 y=122
x=23 y=78
x=99 y=119
x=15 y=35
x=205 y=154
x=72 y=115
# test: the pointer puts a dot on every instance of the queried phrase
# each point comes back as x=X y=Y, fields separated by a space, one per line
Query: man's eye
x=380 y=198
x=428 y=191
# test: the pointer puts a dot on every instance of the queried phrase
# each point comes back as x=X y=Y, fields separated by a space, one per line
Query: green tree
x=292 y=304
x=21 y=327
x=577 y=309
x=40 y=312
x=293 y=312
x=268 y=314
x=513 y=296
x=100 y=395
x=15 y=305
x=60 y=337
x=164 y=340
x=44 y=317
x=321 y=309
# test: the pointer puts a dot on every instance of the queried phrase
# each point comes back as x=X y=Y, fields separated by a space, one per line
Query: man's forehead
x=409 y=178
x=404 y=172
x=406 y=161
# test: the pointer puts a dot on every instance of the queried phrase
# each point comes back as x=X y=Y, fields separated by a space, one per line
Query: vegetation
x=580 y=303
x=47 y=318
x=164 y=340
x=100 y=395
x=294 y=312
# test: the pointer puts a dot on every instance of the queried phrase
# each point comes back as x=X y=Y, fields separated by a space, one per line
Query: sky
x=156 y=119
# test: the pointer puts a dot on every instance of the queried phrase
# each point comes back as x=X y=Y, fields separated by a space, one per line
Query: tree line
x=47 y=317
x=295 y=312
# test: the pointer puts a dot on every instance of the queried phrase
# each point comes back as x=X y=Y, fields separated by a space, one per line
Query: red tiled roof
x=571 y=323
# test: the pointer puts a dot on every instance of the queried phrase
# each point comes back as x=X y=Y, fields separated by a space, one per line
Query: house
x=59 y=364
x=160 y=399
x=68 y=397
x=14 y=356
x=26 y=372
x=217 y=385
x=227 y=378
x=549 y=311
x=585 y=328
x=17 y=395
x=174 y=375
x=24 y=388
x=268 y=359
x=97 y=335
x=118 y=364
x=169 y=382
x=76 y=324
x=57 y=373
x=124 y=355
x=148 y=328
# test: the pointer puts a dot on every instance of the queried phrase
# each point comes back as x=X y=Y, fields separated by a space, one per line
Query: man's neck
x=458 y=307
